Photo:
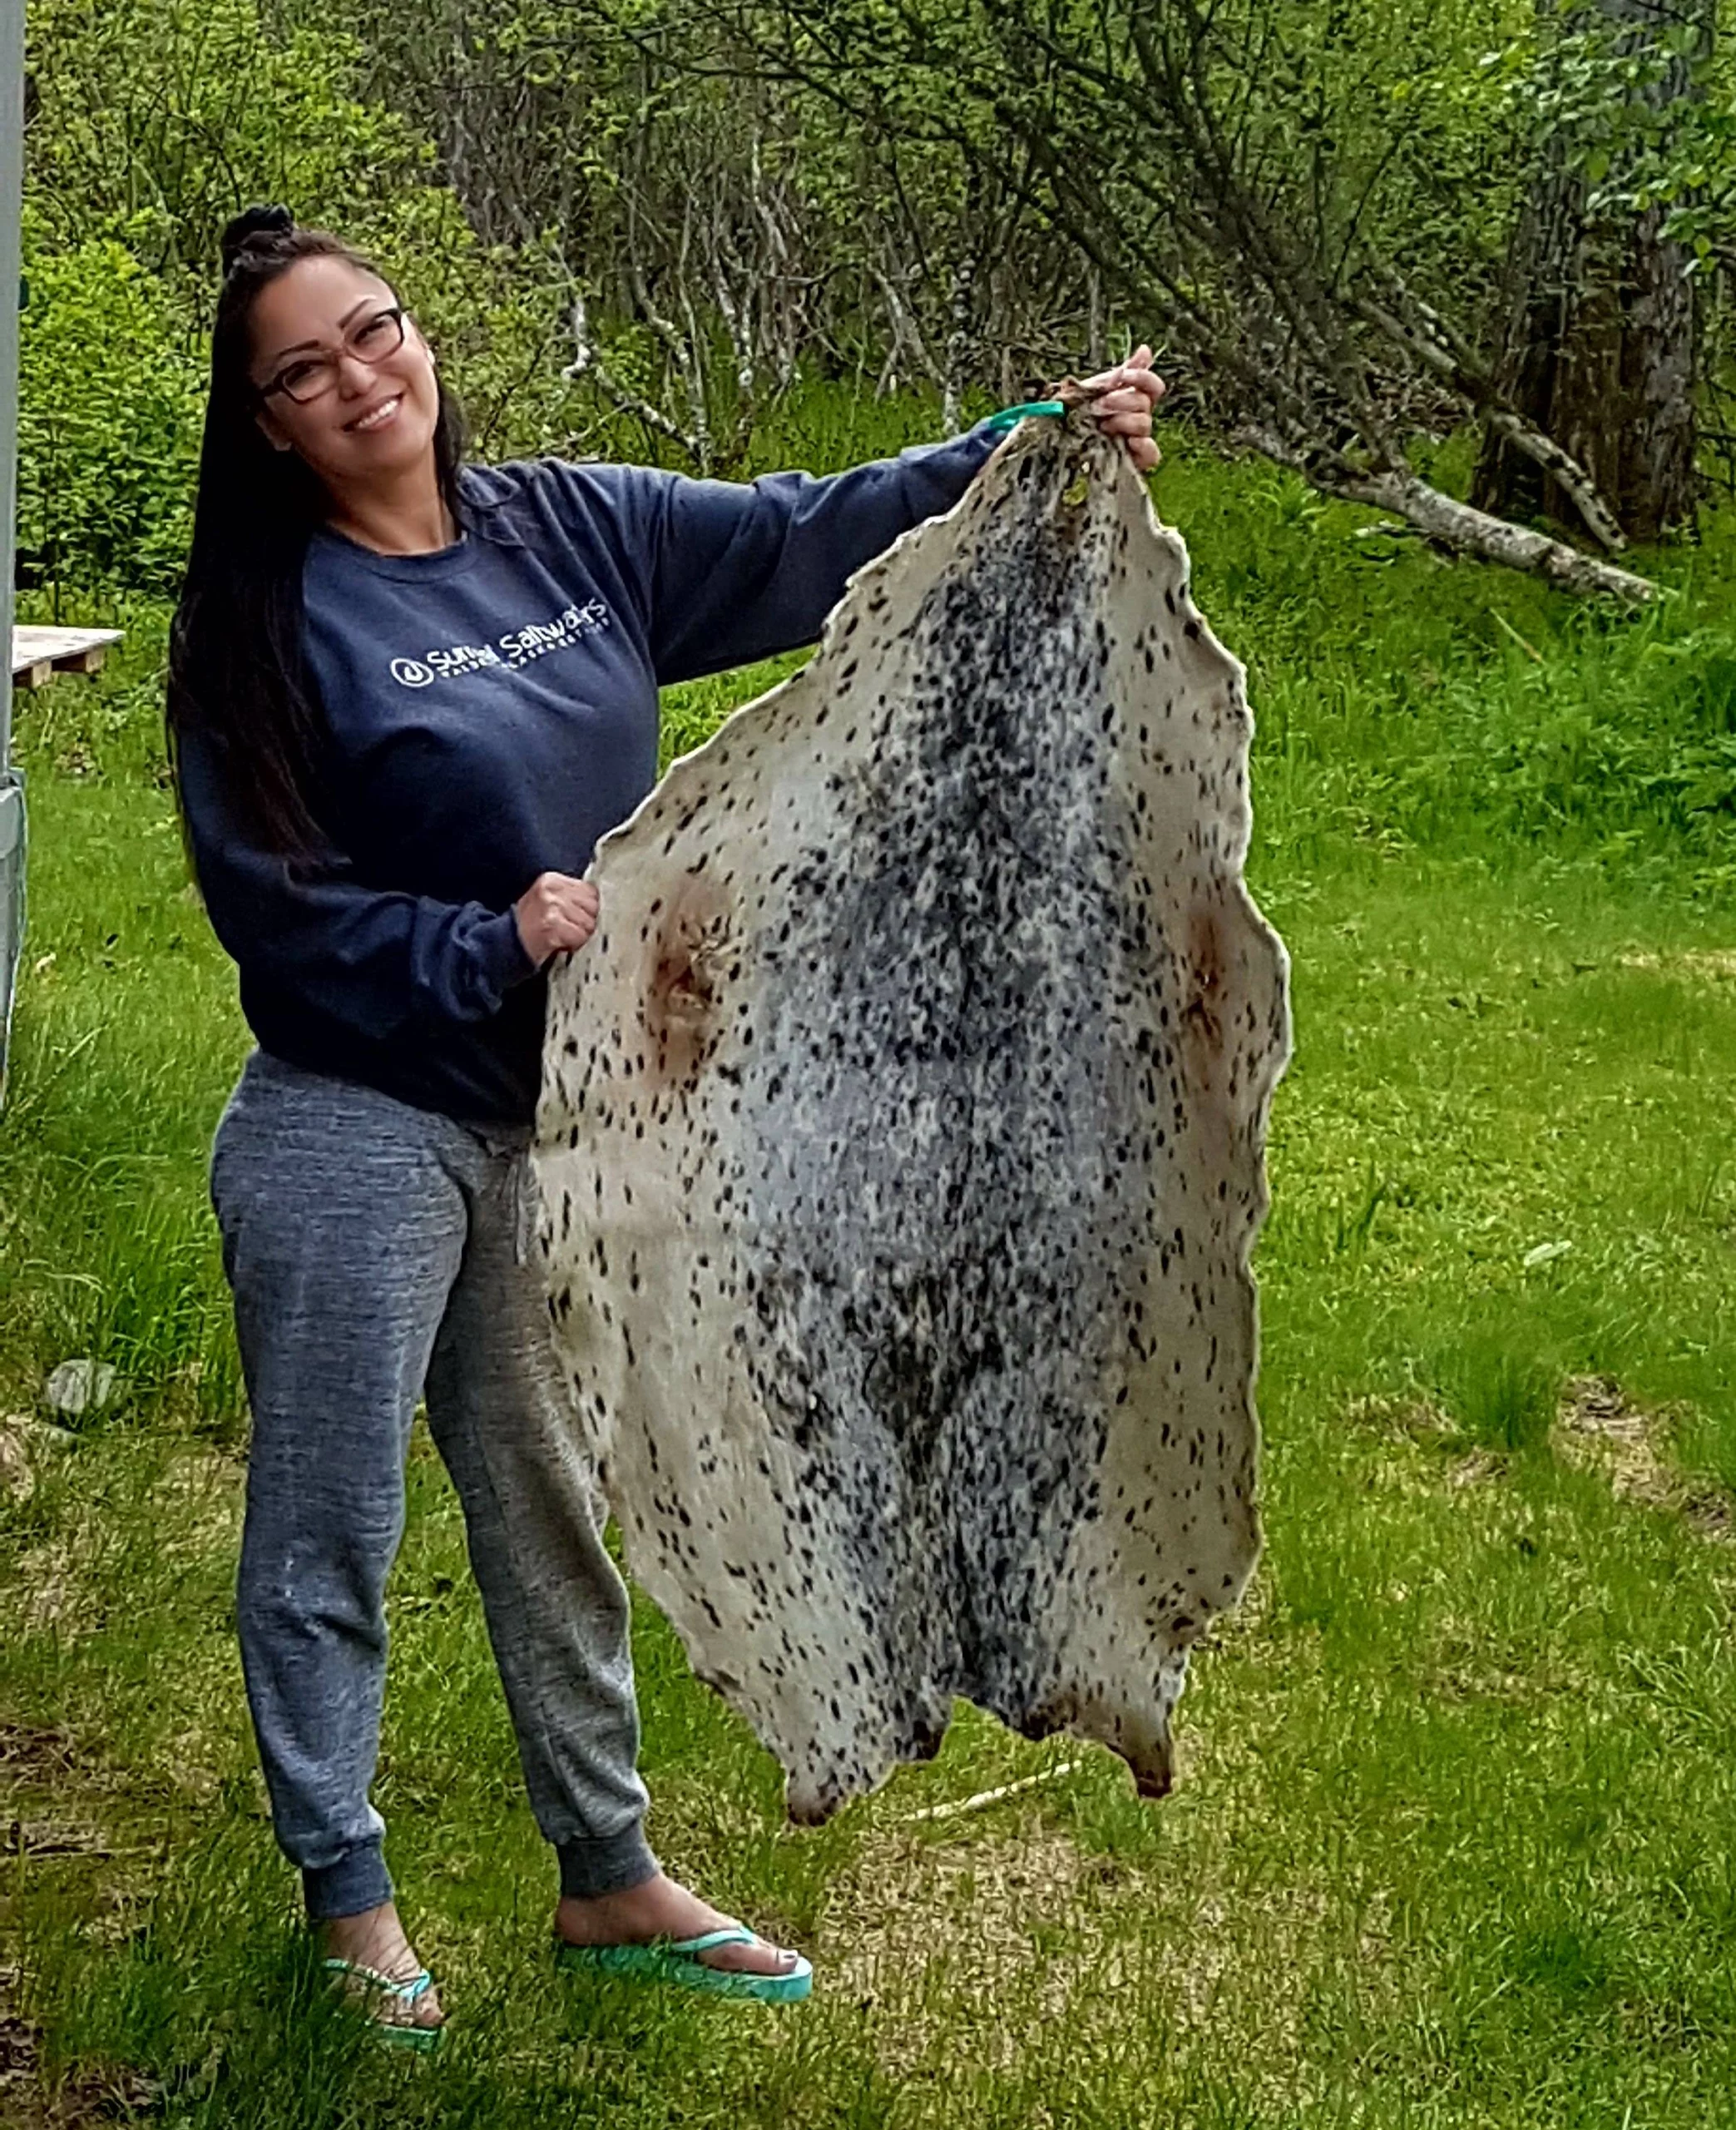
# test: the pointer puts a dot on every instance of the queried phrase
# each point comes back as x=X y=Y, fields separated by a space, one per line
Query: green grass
x=1453 y=1841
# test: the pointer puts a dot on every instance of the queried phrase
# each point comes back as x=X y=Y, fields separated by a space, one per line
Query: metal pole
x=12 y=783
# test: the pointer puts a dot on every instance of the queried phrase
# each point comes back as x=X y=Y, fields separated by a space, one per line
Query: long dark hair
x=238 y=674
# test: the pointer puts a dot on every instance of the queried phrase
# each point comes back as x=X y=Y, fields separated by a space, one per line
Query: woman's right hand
x=555 y=914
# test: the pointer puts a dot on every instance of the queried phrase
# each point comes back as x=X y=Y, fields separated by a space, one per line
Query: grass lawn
x=1454 y=1841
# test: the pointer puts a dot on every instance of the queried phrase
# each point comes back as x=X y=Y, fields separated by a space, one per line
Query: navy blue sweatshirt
x=493 y=711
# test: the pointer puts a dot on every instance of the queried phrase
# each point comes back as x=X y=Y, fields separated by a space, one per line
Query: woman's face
x=367 y=418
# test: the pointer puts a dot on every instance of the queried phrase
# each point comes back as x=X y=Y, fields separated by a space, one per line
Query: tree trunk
x=1600 y=348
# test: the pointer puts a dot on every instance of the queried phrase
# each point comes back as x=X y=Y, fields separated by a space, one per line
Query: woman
x=406 y=697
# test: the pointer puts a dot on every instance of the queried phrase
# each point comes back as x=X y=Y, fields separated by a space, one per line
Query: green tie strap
x=1010 y=417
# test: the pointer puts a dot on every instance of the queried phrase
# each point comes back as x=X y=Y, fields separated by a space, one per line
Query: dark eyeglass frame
x=325 y=365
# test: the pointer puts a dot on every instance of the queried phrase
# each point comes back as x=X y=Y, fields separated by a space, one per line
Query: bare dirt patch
x=1467 y=1662
x=26 y=1443
x=29 y=2100
x=65 y=1583
x=966 y=1927
x=1710 y=965
x=50 y=1838
x=1005 y=1886
x=1597 y=1427
x=1431 y=1426
x=38 y=1754
x=40 y=1762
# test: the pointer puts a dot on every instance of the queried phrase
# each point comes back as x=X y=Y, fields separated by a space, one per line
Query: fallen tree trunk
x=1235 y=269
x=1458 y=526
x=1443 y=517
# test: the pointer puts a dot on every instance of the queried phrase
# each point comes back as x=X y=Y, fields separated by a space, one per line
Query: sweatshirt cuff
x=500 y=959
x=979 y=441
x=937 y=475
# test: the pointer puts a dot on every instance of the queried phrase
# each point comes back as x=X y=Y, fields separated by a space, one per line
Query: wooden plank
x=37 y=654
x=88 y=661
x=41 y=671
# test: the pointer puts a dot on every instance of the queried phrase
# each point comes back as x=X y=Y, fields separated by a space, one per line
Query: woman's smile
x=377 y=417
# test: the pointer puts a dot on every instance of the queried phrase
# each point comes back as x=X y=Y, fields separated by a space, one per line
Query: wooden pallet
x=37 y=655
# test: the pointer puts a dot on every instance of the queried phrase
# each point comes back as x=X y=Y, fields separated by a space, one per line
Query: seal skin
x=901 y=1148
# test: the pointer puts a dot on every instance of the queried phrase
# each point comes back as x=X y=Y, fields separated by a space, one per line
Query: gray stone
x=80 y=1386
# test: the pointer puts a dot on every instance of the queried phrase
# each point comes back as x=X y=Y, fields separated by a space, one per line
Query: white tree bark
x=958 y=345
x=1444 y=518
x=586 y=357
x=1458 y=526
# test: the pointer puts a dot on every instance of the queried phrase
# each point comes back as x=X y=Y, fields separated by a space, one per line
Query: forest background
x=1443 y=296
x=1350 y=226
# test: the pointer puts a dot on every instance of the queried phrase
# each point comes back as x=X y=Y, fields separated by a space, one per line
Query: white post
x=12 y=784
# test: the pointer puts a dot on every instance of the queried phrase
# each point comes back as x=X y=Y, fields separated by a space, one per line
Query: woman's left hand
x=1122 y=401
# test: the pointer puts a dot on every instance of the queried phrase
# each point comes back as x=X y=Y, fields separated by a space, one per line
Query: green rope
x=1009 y=417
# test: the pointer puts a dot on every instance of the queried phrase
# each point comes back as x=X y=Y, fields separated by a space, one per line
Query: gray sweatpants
x=377 y=1252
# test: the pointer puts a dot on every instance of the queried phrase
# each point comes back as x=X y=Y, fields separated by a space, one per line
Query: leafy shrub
x=110 y=408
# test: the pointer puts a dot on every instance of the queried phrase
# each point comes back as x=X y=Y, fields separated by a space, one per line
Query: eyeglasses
x=370 y=340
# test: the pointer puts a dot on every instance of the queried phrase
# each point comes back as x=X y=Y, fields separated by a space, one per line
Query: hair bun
x=250 y=226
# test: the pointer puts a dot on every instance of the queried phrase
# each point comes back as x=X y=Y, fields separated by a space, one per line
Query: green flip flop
x=674 y=1960
x=395 y=2033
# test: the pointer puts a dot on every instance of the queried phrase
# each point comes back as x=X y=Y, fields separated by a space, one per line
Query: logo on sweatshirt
x=518 y=647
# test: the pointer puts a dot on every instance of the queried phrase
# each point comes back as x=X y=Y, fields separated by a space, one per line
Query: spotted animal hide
x=901 y=1148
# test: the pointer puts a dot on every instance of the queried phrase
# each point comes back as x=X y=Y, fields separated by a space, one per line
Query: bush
x=111 y=404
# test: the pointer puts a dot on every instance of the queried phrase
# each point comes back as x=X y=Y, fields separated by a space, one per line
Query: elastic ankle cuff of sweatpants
x=357 y=1882
x=608 y=1864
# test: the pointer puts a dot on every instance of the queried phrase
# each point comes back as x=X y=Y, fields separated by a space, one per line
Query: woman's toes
x=758 y=1958
x=659 y=1908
